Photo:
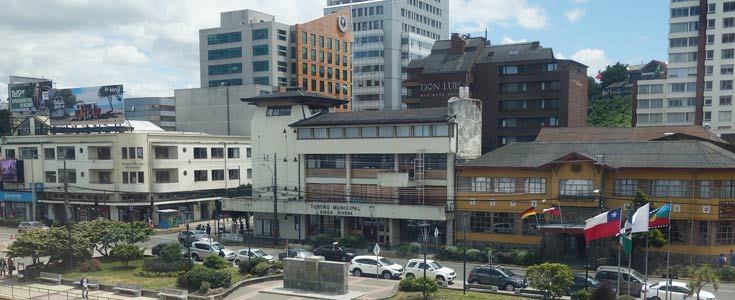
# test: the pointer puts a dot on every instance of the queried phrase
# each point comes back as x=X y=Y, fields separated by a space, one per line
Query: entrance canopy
x=562 y=228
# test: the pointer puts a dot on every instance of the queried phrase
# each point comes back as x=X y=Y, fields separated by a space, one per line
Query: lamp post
x=188 y=249
x=465 y=222
x=425 y=235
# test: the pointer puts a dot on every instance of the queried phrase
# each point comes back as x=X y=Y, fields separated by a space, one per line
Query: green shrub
x=126 y=253
x=199 y=273
x=417 y=284
x=277 y=265
x=246 y=266
x=140 y=272
x=261 y=269
x=553 y=279
x=582 y=295
x=476 y=255
x=170 y=253
x=182 y=281
x=404 y=249
x=354 y=241
x=603 y=292
x=726 y=273
x=415 y=248
x=449 y=252
x=322 y=239
x=503 y=257
x=625 y=297
x=214 y=261
x=204 y=287
x=525 y=257
x=90 y=265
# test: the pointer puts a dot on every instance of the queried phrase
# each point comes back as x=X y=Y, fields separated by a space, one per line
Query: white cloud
x=486 y=13
x=580 y=1
x=575 y=14
x=508 y=40
x=594 y=58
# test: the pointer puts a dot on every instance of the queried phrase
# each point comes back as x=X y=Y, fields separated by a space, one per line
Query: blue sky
x=595 y=32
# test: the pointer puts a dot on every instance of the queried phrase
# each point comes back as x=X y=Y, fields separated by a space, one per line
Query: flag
x=639 y=221
x=529 y=212
x=625 y=234
x=602 y=226
x=660 y=217
x=553 y=210
x=599 y=75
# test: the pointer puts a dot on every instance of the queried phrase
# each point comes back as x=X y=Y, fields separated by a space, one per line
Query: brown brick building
x=522 y=86
x=323 y=60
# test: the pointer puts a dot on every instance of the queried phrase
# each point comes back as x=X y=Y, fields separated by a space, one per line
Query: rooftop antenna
x=485 y=34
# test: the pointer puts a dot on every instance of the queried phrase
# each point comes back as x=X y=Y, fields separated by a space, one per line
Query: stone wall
x=314 y=274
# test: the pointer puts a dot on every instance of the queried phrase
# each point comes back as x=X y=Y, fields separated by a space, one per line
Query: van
x=609 y=275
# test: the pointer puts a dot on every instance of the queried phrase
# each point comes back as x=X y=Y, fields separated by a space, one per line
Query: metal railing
x=24 y=291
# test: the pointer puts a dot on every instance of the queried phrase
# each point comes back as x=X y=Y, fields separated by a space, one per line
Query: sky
x=151 y=46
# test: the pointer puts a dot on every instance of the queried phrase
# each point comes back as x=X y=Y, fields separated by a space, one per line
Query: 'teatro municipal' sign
x=337 y=209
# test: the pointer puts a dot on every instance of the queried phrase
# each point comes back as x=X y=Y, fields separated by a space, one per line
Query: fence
x=18 y=291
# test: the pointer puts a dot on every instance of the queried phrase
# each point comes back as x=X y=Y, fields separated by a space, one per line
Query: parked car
x=367 y=264
x=581 y=281
x=677 y=291
x=415 y=268
x=30 y=224
x=609 y=275
x=498 y=276
x=201 y=249
x=335 y=252
x=187 y=237
x=243 y=255
x=295 y=253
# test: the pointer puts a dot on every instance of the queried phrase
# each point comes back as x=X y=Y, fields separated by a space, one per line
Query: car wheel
x=387 y=275
x=409 y=275
x=237 y=262
x=510 y=287
x=440 y=279
x=357 y=272
x=475 y=282
x=195 y=257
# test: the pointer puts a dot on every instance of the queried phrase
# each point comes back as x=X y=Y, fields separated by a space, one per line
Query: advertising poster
x=87 y=105
x=8 y=170
x=30 y=97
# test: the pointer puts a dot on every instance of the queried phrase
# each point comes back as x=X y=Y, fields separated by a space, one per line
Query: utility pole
x=66 y=212
x=275 y=199
x=33 y=188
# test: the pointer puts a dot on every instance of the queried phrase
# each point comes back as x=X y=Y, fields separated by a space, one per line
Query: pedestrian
x=3 y=267
x=721 y=261
x=84 y=283
x=209 y=229
x=732 y=258
x=11 y=267
x=242 y=227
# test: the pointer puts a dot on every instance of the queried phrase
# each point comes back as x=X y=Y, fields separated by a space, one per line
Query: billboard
x=30 y=97
x=8 y=170
x=87 y=105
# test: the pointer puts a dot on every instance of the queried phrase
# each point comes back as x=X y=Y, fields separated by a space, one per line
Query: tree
x=594 y=89
x=52 y=243
x=610 y=112
x=702 y=276
x=126 y=253
x=603 y=292
x=612 y=74
x=553 y=279
x=106 y=234
x=171 y=252
x=214 y=261
x=111 y=92
x=656 y=238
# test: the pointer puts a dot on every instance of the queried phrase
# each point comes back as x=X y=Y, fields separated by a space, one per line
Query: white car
x=201 y=249
x=367 y=264
x=415 y=268
x=243 y=255
x=677 y=291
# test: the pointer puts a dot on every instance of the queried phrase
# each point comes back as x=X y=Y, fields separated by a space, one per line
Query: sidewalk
x=12 y=289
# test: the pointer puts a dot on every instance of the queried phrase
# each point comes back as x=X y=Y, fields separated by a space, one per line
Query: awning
x=167 y=211
x=562 y=228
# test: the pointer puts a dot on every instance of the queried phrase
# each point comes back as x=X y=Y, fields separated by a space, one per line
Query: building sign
x=336 y=209
x=16 y=196
x=87 y=105
x=440 y=89
x=8 y=170
x=342 y=23
x=30 y=97
x=727 y=209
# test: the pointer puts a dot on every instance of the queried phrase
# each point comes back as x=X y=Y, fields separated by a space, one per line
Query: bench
x=173 y=293
x=92 y=284
x=52 y=277
x=134 y=289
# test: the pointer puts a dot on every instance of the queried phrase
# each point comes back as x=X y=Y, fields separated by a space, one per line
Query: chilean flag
x=602 y=226
x=553 y=210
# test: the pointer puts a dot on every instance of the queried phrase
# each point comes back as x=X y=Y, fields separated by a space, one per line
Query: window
x=50 y=177
x=325 y=161
x=705 y=189
x=709 y=70
x=249 y=173
x=218 y=175
x=336 y=133
x=222 y=38
x=260 y=34
x=261 y=66
x=727 y=53
x=369 y=132
x=727 y=189
x=625 y=187
x=728 y=38
x=373 y=161
x=726 y=85
x=385 y=131
x=200 y=175
x=225 y=69
x=304 y=133
x=225 y=82
x=710 y=39
x=352 y=132
x=200 y=153
x=725 y=233
x=403 y=131
x=503 y=223
x=530 y=224
x=278 y=110
x=710 y=55
x=440 y=130
x=28 y=153
x=262 y=80
x=728 y=6
x=321 y=56
x=728 y=22
x=321 y=41
x=576 y=187
x=133 y=177
x=506 y=70
x=320 y=133
x=710 y=23
x=233 y=174
x=670 y=188
x=726 y=69
x=481 y=184
x=248 y=152
x=725 y=100
x=218 y=152
x=225 y=53
x=233 y=152
x=65 y=153
x=421 y=131
x=49 y=153
x=69 y=177
x=260 y=50
x=724 y=116
x=504 y=185
x=535 y=185
x=711 y=8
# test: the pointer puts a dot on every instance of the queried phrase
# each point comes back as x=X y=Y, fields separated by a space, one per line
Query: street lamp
x=465 y=222
x=372 y=219
x=188 y=249
x=425 y=234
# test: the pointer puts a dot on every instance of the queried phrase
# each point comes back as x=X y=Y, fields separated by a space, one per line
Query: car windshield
x=506 y=272
x=592 y=281
x=217 y=247
x=638 y=276
x=435 y=265
x=260 y=253
x=386 y=262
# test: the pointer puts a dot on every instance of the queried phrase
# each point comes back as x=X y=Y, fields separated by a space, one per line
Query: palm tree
x=701 y=277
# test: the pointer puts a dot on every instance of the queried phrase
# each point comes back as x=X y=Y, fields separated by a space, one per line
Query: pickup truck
x=201 y=249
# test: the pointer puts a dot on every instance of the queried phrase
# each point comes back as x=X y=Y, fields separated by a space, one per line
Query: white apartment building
x=146 y=172
x=374 y=173
x=387 y=35
x=698 y=88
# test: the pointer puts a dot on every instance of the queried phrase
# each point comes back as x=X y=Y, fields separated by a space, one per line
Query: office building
x=698 y=87
x=157 y=110
x=522 y=86
x=251 y=48
x=387 y=35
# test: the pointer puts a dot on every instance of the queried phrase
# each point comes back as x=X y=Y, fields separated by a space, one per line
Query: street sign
x=376 y=249
x=436 y=232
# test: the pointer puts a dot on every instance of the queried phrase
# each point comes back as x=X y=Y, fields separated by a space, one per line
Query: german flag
x=529 y=212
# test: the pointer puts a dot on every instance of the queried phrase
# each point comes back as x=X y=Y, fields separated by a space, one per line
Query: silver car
x=30 y=224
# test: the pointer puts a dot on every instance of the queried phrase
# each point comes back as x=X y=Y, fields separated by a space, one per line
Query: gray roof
x=652 y=154
x=378 y=117
x=297 y=95
x=441 y=60
x=520 y=51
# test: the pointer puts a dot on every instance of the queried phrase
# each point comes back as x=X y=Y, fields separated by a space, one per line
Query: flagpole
x=630 y=257
x=668 y=253
x=646 y=267
x=561 y=216
x=619 y=250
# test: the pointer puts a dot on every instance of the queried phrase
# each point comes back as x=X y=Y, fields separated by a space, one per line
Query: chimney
x=464 y=92
x=457 y=44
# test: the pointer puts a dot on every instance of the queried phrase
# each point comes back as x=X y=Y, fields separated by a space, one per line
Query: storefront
x=16 y=205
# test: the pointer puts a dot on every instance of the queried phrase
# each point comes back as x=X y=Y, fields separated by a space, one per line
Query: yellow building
x=587 y=178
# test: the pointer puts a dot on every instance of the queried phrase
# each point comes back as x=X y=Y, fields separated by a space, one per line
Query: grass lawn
x=446 y=294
